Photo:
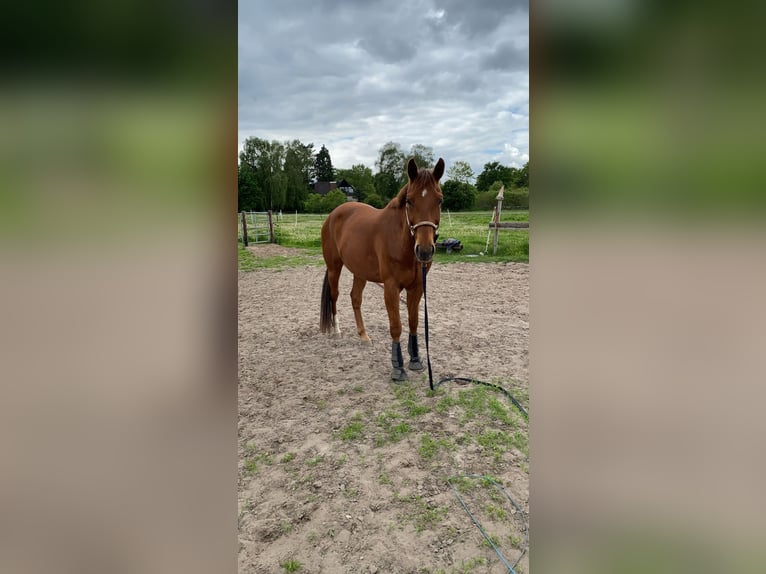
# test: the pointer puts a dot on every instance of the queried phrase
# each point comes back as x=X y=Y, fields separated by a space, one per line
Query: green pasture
x=471 y=228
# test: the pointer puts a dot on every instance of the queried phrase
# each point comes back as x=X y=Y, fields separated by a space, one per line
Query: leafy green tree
x=313 y=203
x=494 y=171
x=298 y=167
x=458 y=195
x=360 y=176
x=392 y=173
x=323 y=166
x=521 y=176
x=386 y=185
x=332 y=200
x=262 y=173
x=423 y=155
x=460 y=171
x=247 y=189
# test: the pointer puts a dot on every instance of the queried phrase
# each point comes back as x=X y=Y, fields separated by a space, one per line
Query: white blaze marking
x=424 y=192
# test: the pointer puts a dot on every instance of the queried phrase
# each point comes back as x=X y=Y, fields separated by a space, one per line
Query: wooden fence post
x=271 y=228
x=244 y=229
x=497 y=216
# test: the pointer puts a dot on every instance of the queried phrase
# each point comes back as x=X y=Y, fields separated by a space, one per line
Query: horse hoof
x=399 y=375
x=415 y=365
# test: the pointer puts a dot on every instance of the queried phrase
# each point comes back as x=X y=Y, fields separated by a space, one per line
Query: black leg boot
x=412 y=348
x=397 y=362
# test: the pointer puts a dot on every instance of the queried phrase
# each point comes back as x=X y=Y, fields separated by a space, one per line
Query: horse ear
x=439 y=169
x=412 y=169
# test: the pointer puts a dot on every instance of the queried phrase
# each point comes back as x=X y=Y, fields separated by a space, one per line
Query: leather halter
x=419 y=224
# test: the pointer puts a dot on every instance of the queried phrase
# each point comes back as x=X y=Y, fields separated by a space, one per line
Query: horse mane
x=425 y=176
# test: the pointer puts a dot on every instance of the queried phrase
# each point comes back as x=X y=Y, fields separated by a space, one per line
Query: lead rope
x=425 y=311
x=517 y=404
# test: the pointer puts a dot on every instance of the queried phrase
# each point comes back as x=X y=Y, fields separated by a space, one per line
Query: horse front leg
x=356 y=304
x=391 y=296
x=413 y=304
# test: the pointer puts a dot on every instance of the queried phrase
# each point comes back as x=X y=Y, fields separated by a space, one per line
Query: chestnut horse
x=387 y=246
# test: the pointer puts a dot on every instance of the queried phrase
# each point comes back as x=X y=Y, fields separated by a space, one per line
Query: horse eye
x=409 y=202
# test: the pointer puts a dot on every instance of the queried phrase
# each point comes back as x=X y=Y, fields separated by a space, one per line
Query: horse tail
x=325 y=315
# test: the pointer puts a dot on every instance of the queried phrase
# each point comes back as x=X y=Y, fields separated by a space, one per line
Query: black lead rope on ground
x=433 y=387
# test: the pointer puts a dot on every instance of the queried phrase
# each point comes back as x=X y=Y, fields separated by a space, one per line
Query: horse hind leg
x=356 y=303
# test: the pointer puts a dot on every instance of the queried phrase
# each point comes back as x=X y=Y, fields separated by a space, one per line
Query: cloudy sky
x=353 y=75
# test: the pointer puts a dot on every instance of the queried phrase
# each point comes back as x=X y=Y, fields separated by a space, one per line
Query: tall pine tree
x=323 y=166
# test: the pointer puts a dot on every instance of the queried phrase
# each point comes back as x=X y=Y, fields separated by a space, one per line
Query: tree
x=423 y=155
x=298 y=167
x=458 y=195
x=262 y=173
x=323 y=166
x=247 y=189
x=521 y=176
x=360 y=176
x=494 y=171
x=391 y=174
x=460 y=171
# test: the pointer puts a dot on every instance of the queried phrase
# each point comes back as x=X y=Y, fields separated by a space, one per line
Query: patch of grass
x=287 y=457
x=495 y=540
x=480 y=401
x=496 y=512
x=430 y=447
x=393 y=431
x=407 y=397
x=384 y=478
x=312 y=462
x=422 y=513
x=245 y=259
x=467 y=566
x=357 y=388
x=321 y=404
x=341 y=460
x=286 y=526
x=352 y=431
x=350 y=493
x=463 y=483
x=252 y=461
x=470 y=228
x=514 y=540
x=291 y=565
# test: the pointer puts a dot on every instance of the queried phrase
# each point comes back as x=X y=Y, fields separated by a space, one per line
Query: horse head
x=422 y=202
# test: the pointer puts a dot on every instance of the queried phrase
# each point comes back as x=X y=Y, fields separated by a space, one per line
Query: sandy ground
x=372 y=502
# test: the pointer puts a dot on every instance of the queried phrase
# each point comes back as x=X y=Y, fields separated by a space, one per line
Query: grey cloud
x=506 y=56
x=330 y=70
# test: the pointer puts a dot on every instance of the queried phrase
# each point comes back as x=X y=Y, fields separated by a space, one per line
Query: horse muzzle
x=424 y=255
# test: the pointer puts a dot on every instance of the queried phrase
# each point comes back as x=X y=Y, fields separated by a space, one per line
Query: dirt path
x=342 y=471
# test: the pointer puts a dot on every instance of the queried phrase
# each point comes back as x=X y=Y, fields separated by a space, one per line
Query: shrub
x=374 y=200
x=313 y=203
x=333 y=200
